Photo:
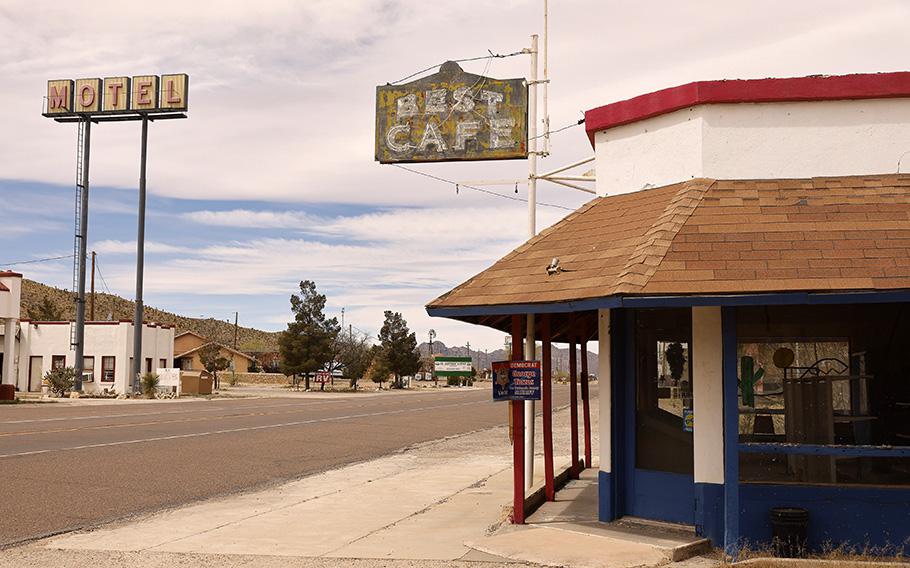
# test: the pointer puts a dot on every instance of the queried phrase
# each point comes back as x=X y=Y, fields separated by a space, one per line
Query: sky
x=271 y=179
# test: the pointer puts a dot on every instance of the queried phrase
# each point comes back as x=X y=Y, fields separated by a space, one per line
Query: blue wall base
x=606 y=508
x=851 y=516
x=709 y=512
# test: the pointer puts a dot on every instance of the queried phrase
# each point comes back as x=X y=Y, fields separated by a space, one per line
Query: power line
x=98 y=268
x=573 y=125
x=36 y=260
x=480 y=189
x=490 y=55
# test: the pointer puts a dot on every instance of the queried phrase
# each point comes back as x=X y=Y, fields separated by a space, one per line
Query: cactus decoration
x=748 y=377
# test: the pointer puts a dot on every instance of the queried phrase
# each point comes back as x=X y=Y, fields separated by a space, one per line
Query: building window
x=823 y=396
x=148 y=364
x=88 y=369
x=162 y=363
x=58 y=361
x=108 y=365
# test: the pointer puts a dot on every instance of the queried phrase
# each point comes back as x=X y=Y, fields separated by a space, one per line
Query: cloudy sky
x=272 y=180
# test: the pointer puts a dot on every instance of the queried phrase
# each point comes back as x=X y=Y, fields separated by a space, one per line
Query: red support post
x=546 y=377
x=573 y=406
x=518 y=433
x=585 y=402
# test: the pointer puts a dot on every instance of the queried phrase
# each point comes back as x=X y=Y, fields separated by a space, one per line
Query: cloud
x=247 y=219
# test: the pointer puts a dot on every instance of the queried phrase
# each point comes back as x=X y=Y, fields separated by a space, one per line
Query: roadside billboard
x=452 y=116
x=452 y=366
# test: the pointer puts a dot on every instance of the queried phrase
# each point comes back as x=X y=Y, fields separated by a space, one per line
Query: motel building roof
x=718 y=192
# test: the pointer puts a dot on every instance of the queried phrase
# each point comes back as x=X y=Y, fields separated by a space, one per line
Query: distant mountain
x=42 y=302
x=482 y=359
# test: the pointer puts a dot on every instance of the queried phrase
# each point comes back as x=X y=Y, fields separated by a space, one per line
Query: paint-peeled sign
x=452 y=116
x=117 y=95
x=516 y=380
x=452 y=366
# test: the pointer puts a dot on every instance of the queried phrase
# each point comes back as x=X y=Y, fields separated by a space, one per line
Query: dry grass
x=830 y=555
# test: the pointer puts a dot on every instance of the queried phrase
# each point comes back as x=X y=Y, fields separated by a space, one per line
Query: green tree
x=308 y=344
x=399 y=346
x=213 y=361
x=379 y=370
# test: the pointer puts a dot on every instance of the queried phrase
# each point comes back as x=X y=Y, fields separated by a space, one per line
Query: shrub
x=150 y=384
x=61 y=380
x=453 y=381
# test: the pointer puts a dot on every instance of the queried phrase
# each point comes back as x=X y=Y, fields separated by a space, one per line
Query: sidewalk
x=442 y=503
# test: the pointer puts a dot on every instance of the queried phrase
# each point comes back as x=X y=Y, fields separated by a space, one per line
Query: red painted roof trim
x=3 y=287
x=5 y=273
x=814 y=88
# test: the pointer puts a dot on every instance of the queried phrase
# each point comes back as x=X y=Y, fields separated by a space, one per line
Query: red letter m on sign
x=58 y=96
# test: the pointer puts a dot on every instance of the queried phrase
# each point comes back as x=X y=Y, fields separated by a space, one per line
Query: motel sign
x=452 y=116
x=117 y=95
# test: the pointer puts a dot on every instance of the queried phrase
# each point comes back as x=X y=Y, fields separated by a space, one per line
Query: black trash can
x=790 y=530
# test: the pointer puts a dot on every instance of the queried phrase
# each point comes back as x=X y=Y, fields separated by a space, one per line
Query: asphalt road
x=64 y=467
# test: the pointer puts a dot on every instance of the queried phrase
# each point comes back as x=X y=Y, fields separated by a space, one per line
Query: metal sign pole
x=140 y=257
x=83 y=240
x=532 y=230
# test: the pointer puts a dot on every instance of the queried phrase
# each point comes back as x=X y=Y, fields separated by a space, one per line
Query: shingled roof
x=712 y=237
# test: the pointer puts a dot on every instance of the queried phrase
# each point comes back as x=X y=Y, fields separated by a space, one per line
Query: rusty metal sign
x=452 y=116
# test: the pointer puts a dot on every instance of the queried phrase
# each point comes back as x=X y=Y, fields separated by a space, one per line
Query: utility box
x=196 y=382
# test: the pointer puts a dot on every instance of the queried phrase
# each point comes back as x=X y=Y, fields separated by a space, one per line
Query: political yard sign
x=452 y=116
x=516 y=380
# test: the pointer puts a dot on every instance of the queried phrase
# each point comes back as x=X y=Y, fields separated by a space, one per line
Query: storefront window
x=823 y=395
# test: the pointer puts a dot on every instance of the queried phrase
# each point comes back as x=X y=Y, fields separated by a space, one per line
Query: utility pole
x=140 y=256
x=236 y=318
x=91 y=316
x=532 y=230
x=432 y=335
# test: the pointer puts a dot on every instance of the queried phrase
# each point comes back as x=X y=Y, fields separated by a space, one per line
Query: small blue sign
x=516 y=380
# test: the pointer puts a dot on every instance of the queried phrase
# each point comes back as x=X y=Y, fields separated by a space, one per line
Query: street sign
x=452 y=366
x=516 y=380
x=323 y=377
x=452 y=116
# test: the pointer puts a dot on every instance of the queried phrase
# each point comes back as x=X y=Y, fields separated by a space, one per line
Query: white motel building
x=745 y=273
x=29 y=349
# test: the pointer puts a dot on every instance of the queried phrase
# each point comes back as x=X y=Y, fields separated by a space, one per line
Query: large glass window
x=823 y=394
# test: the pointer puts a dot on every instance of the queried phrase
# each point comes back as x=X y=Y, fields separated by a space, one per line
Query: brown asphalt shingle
x=713 y=237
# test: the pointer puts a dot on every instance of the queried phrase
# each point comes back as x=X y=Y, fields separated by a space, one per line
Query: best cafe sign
x=118 y=95
x=452 y=116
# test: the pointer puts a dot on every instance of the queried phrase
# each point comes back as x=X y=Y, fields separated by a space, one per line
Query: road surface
x=64 y=466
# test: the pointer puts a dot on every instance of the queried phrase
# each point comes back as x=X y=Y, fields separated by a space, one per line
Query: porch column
x=573 y=407
x=518 y=435
x=546 y=378
x=708 y=433
x=731 y=432
x=606 y=509
x=585 y=403
x=9 y=351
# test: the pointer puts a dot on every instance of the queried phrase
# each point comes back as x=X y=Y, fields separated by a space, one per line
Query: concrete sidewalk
x=437 y=504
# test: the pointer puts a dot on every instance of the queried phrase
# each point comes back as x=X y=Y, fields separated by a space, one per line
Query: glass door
x=661 y=466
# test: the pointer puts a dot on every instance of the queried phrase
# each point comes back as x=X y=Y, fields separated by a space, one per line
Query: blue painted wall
x=709 y=512
x=854 y=515
x=606 y=511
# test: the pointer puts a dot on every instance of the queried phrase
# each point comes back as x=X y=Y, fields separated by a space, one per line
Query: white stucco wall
x=10 y=300
x=102 y=339
x=708 y=394
x=755 y=141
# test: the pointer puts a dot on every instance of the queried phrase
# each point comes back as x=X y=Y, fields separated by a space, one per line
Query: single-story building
x=745 y=272
x=189 y=344
x=39 y=346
